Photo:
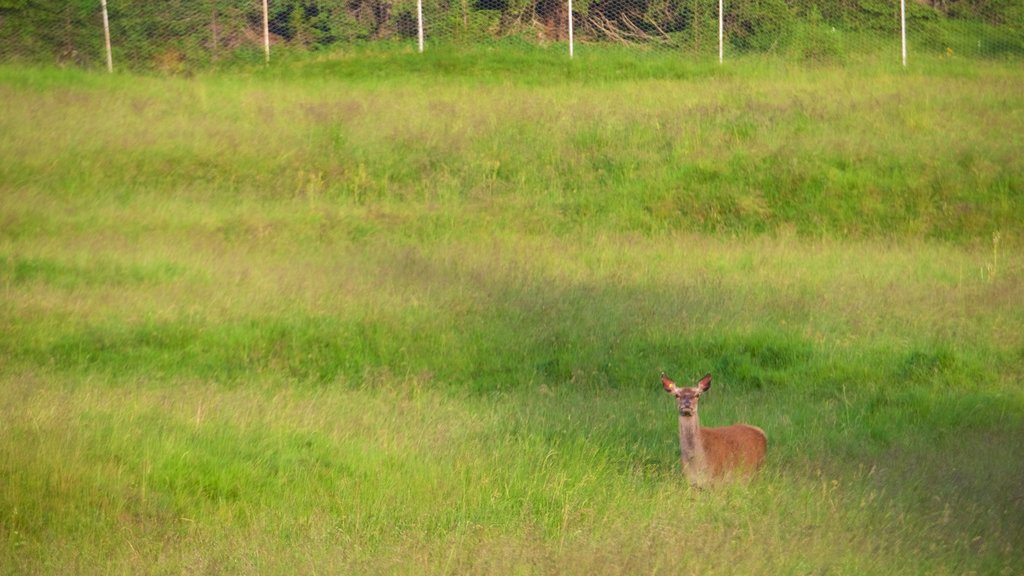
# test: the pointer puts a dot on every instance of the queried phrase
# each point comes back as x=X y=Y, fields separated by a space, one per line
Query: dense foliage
x=171 y=33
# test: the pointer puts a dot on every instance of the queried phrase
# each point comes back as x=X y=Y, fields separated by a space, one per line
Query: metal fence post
x=903 y=30
x=419 y=23
x=266 y=32
x=721 y=31
x=106 y=36
x=570 y=29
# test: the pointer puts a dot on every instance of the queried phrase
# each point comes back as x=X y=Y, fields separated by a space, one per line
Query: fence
x=179 y=34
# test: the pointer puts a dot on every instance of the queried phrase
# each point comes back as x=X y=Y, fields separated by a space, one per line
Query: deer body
x=710 y=453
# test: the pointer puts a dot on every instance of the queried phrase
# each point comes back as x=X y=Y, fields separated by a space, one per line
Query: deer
x=713 y=453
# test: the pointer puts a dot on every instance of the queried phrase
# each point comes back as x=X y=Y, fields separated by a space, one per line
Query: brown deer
x=710 y=453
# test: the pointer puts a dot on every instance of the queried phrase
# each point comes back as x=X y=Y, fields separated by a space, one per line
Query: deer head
x=686 y=397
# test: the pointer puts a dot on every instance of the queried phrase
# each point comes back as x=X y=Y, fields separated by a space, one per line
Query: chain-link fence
x=173 y=35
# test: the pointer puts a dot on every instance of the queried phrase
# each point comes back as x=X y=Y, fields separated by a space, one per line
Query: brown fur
x=738 y=447
x=712 y=453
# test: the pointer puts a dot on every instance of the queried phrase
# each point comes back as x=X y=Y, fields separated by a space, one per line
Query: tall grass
x=811 y=150
x=285 y=322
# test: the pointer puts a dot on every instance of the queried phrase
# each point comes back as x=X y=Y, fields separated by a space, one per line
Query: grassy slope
x=281 y=322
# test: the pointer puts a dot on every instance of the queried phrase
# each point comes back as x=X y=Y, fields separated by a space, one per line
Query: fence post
x=266 y=32
x=721 y=32
x=419 y=23
x=903 y=30
x=570 y=29
x=106 y=36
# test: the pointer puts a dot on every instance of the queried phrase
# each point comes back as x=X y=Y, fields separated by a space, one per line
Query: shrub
x=758 y=25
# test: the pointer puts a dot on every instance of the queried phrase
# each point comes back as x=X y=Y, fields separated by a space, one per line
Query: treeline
x=168 y=33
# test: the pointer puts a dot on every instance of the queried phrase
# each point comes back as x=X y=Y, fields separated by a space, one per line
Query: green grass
x=324 y=319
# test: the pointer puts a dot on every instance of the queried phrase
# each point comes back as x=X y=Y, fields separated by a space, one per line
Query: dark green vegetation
x=177 y=36
x=319 y=319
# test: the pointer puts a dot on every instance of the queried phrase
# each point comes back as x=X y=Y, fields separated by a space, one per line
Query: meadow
x=372 y=314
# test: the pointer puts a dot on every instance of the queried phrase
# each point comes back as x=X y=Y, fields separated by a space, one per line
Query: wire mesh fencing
x=175 y=35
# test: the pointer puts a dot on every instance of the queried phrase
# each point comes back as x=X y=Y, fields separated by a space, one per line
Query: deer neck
x=691 y=450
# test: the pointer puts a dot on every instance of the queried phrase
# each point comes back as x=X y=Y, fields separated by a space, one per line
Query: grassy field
x=362 y=315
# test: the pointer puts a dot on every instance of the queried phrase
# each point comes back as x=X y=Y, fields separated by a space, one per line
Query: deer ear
x=667 y=384
x=705 y=383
